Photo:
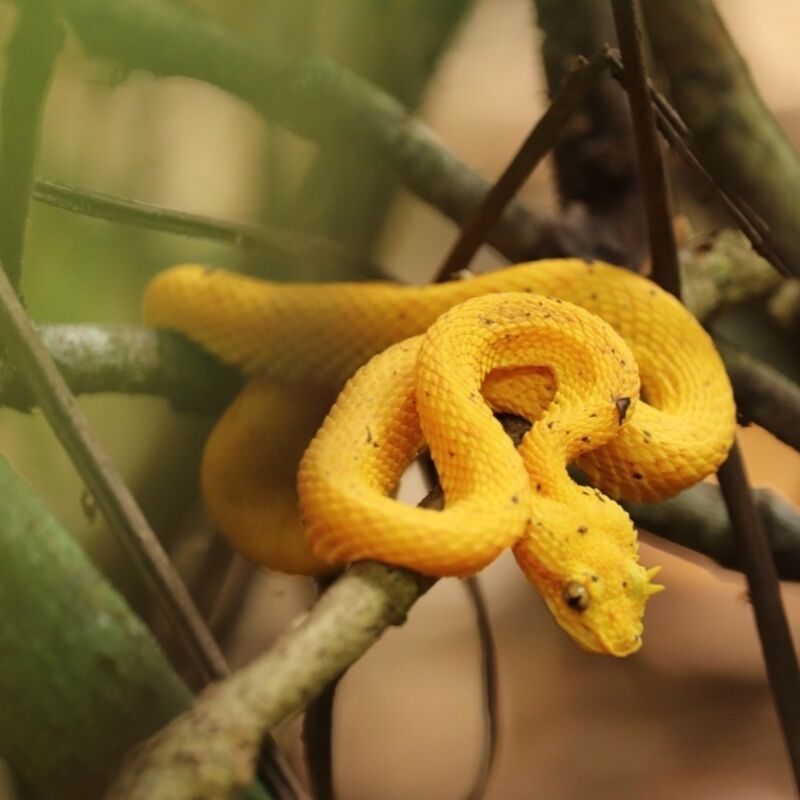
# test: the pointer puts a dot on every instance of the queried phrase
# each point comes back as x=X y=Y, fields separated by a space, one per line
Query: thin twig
x=515 y=427
x=663 y=251
x=489 y=686
x=535 y=147
x=762 y=578
x=31 y=56
x=270 y=242
x=104 y=482
x=765 y=594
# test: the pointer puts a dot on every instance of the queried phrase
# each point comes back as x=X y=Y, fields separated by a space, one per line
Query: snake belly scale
x=564 y=343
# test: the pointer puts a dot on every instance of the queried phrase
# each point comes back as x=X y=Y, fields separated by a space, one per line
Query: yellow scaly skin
x=577 y=546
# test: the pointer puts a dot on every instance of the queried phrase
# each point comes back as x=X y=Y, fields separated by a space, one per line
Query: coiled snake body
x=563 y=343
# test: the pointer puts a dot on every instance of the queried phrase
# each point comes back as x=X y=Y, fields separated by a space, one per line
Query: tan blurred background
x=689 y=716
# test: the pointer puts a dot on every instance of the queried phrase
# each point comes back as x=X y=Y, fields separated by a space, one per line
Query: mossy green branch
x=81 y=678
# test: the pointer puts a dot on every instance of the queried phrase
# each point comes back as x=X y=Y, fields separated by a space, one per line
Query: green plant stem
x=275 y=244
x=31 y=56
x=82 y=678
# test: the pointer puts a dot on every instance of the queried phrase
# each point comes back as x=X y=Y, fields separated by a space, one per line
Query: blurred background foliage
x=690 y=716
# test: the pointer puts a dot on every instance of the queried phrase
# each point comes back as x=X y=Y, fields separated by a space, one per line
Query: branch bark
x=697 y=519
x=210 y=750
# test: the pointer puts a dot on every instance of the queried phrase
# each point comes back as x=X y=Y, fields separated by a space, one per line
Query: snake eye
x=576 y=596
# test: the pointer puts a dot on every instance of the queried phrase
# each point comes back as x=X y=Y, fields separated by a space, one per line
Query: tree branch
x=763 y=395
x=210 y=750
x=697 y=519
x=780 y=657
x=594 y=159
x=129 y=359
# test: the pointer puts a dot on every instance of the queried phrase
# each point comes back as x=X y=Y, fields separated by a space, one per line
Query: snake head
x=590 y=577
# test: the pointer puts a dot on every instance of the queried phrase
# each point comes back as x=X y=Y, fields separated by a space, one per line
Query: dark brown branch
x=595 y=162
x=663 y=251
x=271 y=243
x=535 y=147
x=765 y=593
x=759 y=568
x=733 y=132
x=103 y=481
x=31 y=56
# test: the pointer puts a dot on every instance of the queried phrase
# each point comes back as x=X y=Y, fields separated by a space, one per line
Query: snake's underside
x=564 y=343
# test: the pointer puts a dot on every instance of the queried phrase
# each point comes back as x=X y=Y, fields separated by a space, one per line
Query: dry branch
x=594 y=159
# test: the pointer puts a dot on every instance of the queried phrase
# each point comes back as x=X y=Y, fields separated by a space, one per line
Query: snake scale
x=565 y=343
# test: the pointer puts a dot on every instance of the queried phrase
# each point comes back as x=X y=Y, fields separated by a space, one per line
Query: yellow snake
x=563 y=343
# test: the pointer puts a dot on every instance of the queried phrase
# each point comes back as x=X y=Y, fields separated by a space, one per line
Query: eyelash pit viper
x=564 y=343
